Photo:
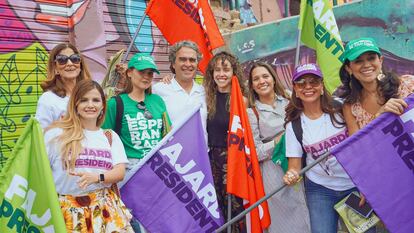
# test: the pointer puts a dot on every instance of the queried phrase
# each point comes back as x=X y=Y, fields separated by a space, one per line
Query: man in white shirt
x=183 y=94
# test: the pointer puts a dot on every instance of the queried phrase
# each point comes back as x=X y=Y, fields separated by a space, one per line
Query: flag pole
x=246 y=211
x=124 y=58
x=229 y=212
x=297 y=55
x=134 y=37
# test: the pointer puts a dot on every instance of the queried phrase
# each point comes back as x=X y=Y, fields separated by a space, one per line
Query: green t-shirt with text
x=138 y=134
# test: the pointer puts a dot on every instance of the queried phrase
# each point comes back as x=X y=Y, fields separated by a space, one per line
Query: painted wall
x=30 y=29
x=389 y=22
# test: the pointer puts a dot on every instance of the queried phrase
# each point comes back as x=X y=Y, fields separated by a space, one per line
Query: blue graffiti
x=134 y=10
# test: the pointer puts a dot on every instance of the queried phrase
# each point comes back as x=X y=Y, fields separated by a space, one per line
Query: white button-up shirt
x=178 y=101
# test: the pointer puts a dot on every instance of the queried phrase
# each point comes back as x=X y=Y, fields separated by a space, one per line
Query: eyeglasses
x=312 y=82
x=141 y=106
x=63 y=59
x=190 y=59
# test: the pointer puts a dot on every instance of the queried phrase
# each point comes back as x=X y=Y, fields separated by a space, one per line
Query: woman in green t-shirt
x=136 y=115
x=139 y=121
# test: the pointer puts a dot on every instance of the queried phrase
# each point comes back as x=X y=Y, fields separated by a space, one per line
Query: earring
x=322 y=92
x=380 y=76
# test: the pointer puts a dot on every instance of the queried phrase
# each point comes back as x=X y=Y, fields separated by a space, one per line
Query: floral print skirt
x=100 y=211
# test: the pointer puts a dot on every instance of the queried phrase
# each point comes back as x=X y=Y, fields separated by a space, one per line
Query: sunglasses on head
x=312 y=82
x=63 y=59
x=141 y=106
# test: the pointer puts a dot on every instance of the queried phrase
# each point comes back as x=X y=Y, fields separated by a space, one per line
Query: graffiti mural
x=30 y=29
x=389 y=22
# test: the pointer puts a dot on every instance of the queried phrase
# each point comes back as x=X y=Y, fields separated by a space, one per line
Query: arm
x=110 y=115
x=294 y=154
x=115 y=175
x=263 y=150
x=246 y=102
x=350 y=120
x=292 y=175
x=167 y=78
x=393 y=105
x=44 y=113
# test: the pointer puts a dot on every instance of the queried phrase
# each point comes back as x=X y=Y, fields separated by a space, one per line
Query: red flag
x=243 y=172
x=187 y=20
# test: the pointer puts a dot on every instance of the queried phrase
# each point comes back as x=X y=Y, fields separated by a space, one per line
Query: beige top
x=363 y=117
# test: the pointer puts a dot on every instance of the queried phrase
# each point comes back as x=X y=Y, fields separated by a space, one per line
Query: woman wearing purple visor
x=313 y=126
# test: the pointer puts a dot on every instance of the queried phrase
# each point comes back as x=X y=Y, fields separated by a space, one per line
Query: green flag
x=29 y=202
x=320 y=32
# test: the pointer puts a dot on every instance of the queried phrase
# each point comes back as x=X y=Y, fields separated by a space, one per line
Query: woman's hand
x=363 y=200
x=291 y=177
x=167 y=79
x=86 y=178
x=121 y=68
x=393 y=105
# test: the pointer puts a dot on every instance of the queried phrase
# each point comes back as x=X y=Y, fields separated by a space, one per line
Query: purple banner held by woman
x=174 y=191
x=380 y=160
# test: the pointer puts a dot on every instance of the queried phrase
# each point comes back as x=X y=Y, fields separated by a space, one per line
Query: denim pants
x=321 y=202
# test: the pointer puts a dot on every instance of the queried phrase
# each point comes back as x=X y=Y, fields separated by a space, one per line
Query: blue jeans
x=136 y=226
x=321 y=201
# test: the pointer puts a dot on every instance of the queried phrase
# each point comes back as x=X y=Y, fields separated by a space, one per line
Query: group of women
x=72 y=111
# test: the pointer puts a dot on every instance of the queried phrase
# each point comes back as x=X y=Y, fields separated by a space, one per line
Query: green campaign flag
x=320 y=32
x=29 y=202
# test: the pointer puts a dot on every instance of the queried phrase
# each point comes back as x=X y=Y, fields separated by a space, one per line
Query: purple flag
x=380 y=160
x=174 y=190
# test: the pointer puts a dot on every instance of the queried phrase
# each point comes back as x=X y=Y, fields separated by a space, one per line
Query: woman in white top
x=65 y=68
x=85 y=162
x=322 y=128
x=267 y=100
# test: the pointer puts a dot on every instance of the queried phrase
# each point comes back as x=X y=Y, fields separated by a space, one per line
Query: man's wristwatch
x=101 y=178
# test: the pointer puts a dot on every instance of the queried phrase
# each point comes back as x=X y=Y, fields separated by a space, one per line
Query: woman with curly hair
x=217 y=84
x=65 y=68
x=85 y=162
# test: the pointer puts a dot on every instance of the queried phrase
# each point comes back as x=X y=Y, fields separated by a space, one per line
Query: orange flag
x=243 y=172
x=187 y=20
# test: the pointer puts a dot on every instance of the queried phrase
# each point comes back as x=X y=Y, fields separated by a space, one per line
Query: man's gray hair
x=177 y=46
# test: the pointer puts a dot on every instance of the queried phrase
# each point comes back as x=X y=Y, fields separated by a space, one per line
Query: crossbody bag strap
x=298 y=131
x=114 y=186
x=119 y=114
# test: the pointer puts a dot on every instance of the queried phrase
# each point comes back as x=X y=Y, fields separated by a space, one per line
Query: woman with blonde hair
x=268 y=100
x=85 y=162
x=65 y=68
x=217 y=84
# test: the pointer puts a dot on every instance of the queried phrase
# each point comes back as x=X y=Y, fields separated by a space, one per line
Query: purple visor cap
x=309 y=68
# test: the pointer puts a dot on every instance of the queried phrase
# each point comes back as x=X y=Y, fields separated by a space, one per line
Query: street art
x=389 y=22
x=29 y=29
x=19 y=91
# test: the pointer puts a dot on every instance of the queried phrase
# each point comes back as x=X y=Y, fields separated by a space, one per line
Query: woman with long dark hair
x=368 y=88
x=311 y=108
